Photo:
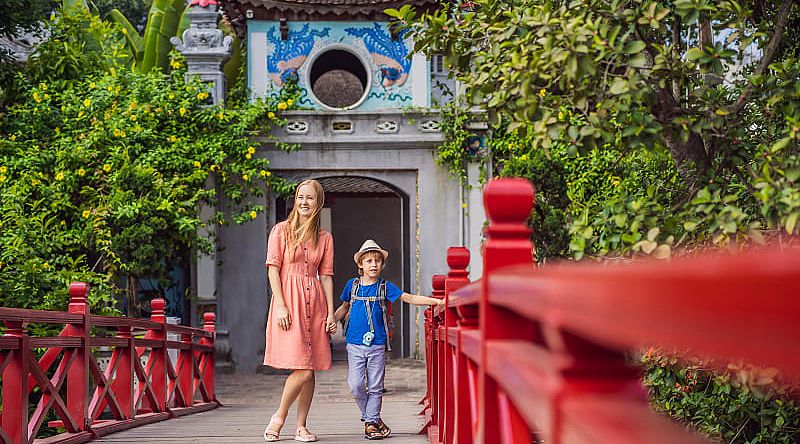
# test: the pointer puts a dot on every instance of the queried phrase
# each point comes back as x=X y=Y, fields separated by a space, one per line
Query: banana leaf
x=132 y=37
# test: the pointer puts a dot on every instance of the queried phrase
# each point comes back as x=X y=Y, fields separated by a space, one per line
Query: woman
x=301 y=312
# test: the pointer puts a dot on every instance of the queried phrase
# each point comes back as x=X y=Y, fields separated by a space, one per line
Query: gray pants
x=365 y=377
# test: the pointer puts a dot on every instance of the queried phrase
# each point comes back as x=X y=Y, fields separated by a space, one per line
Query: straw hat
x=369 y=245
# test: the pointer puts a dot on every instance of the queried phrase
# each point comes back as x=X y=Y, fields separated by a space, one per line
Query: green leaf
x=694 y=53
x=791 y=222
x=619 y=86
x=633 y=47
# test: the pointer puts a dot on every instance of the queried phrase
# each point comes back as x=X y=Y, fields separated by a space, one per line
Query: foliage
x=639 y=73
x=103 y=175
x=743 y=404
x=18 y=16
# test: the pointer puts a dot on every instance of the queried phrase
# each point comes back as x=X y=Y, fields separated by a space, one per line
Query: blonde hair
x=372 y=253
x=309 y=230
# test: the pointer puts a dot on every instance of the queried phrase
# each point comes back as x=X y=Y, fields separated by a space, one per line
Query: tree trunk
x=691 y=159
x=132 y=294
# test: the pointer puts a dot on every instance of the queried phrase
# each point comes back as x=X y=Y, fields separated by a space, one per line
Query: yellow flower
x=263 y=173
x=86 y=213
x=3 y=169
x=245 y=177
x=182 y=110
x=158 y=110
x=117 y=132
x=175 y=64
x=2 y=178
x=197 y=164
x=35 y=182
x=13 y=137
x=248 y=156
x=271 y=115
x=172 y=138
x=542 y=92
x=560 y=115
x=47 y=96
x=43 y=86
x=269 y=173
x=282 y=106
x=170 y=96
x=87 y=102
x=253 y=214
x=81 y=172
x=220 y=116
x=107 y=168
x=251 y=150
x=290 y=102
x=36 y=97
x=464 y=205
x=92 y=85
x=57 y=130
x=59 y=175
x=214 y=167
x=110 y=88
x=202 y=95
x=124 y=31
x=133 y=117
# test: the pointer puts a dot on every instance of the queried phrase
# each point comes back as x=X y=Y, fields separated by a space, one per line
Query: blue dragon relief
x=390 y=55
x=290 y=54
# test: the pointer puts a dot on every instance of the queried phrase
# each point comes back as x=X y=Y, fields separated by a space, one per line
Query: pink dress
x=306 y=344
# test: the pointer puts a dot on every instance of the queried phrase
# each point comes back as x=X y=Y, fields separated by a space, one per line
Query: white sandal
x=304 y=437
x=272 y=434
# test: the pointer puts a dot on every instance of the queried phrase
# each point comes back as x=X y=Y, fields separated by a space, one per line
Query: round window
x=338 y=78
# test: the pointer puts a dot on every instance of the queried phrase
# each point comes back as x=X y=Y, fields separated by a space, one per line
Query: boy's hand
x=330 y=324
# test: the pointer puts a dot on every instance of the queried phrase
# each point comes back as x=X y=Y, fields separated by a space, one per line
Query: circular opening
x=338 y=78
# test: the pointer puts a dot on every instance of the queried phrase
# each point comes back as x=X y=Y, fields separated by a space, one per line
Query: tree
x=708 y=80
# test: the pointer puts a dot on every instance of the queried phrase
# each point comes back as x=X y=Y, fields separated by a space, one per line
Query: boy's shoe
x=385 y=430
x=372 y=431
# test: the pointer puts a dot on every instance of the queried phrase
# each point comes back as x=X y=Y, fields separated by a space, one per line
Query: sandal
x=385 y=430
x=273 y=432
x=303 y=435
x=372 y=431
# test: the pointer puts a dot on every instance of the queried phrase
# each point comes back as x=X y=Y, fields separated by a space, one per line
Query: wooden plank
x=333 y=422
x=61 y=342
x=118 y=321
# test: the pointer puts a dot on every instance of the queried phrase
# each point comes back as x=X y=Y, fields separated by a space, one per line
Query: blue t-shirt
x=358 y=311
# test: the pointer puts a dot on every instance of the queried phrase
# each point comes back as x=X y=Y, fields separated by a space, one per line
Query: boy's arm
x=415 y=299
x=341 y=312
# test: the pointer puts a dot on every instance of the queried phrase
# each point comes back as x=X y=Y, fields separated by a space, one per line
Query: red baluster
x=508 y=204
x=209 y=325
x=122 y=385
x=14 y=420
x=78 y=374
x=158 y=355
x=185 y=369
x=466 y=378
x=457 y=277
x=437 y=282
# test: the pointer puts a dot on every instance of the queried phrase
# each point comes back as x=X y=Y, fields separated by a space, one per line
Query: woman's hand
x=283 y=317
x=330 y=324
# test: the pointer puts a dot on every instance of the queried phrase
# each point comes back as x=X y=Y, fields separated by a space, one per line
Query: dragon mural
x=291 y=53
x=390 y=55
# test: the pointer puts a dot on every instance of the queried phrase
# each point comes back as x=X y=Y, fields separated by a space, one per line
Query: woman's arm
x=282 y=316
x=327 y=288
x=415 y=299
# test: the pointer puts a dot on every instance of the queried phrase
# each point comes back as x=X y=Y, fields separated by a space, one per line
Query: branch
x=769 y=55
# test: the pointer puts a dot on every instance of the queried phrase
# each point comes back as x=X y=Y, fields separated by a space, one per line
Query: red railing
x=127 y=394
x=528 y=355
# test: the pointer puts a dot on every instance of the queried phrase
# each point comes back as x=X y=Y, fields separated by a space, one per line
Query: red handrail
x=79 y=391
x=526 y=354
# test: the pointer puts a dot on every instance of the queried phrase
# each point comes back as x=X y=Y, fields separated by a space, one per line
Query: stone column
x=205 y=48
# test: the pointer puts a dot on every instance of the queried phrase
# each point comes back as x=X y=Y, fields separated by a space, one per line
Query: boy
x=366 y=333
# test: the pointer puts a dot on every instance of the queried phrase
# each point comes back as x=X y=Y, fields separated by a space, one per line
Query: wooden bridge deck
x=250 y=399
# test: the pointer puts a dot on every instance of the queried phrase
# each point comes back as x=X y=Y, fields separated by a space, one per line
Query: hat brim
x=357 y=256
